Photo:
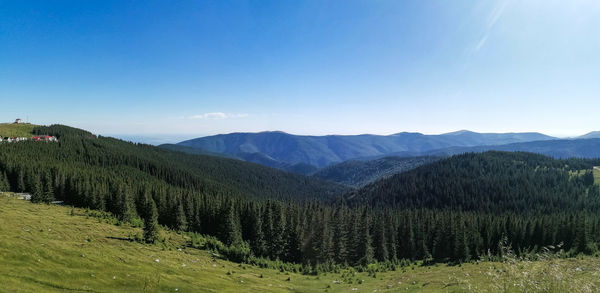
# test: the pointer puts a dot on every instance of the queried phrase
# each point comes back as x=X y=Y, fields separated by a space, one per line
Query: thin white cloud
x=480 y=43
x=217 y=116
x=493 y=18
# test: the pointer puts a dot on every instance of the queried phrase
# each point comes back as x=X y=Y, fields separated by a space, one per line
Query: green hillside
x=491 y=182
x=16 y=130
x=90 y=160
x=361 y=173
x=48 y=248
x=193 y=151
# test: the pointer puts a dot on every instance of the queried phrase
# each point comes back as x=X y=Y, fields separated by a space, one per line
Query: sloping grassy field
x=48 y=248
x=16 y=130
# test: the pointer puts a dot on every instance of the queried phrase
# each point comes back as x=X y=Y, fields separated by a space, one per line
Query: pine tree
x=267 y=227
x=365 y=248
x=4 y=183
x=255 y=233
x=293 y=251
x=354 y=240
x=582 y=237
x=326 y=242
x=125 y=205
x=188 y=207
x=407 y=241
x=312 y=240
x=340 y=236
x=21 y=187
x=278 y=238
x=37 y=194
x=230 y=232
x=196 y=223
x=392 y=240
x=379 y=239
x=151 y=228
x=180 y=218
x=461 y=248
x=48 y=196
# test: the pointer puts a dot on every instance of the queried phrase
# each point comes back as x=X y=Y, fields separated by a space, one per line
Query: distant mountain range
x=593 y=134
x=557 y=148
x=286 y=151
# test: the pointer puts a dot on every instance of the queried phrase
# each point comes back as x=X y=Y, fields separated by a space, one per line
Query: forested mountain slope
x=85 y=165
x=360 y=173
x=258 y=158
x=193 y=151
x=489 y=182
x=322 y=151
x=556 y=148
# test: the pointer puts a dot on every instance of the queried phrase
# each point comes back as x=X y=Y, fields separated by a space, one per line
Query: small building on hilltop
x=18 y=121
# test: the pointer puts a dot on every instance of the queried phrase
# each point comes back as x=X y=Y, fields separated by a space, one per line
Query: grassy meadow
x=16 y=130
x=49 y=248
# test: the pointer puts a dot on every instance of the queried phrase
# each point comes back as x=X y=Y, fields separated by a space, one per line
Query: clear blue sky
x=195 y=68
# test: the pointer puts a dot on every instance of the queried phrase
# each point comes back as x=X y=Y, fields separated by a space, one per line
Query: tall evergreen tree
x=340 y=235
x=48 y=195
x=293 y=242
x=256 y=237
x=582 y=237
x=326 y=253
x=277 y=240
x=124 y=205
x=379 y=239
x=151 y=229
x=365 y=248
x=37 y=194
x=21 y=187
x=4 y=183
x=181 y=222
x=461 y=248
x=392 y=242
x=230 y=232
x=267 y=226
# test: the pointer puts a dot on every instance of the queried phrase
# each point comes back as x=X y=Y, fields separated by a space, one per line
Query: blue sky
x=193 y=68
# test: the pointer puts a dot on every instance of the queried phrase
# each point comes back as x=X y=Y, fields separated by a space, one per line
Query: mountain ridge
x=321 y=151
x=592 y=134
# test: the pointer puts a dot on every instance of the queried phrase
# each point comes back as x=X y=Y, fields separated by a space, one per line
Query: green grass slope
x=16 y=130
x=47 y=248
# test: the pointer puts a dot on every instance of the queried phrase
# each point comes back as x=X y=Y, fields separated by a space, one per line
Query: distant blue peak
x=407 y=133
x=460 y=132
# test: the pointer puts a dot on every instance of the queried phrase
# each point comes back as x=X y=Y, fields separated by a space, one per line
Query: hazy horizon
x=158 y=138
